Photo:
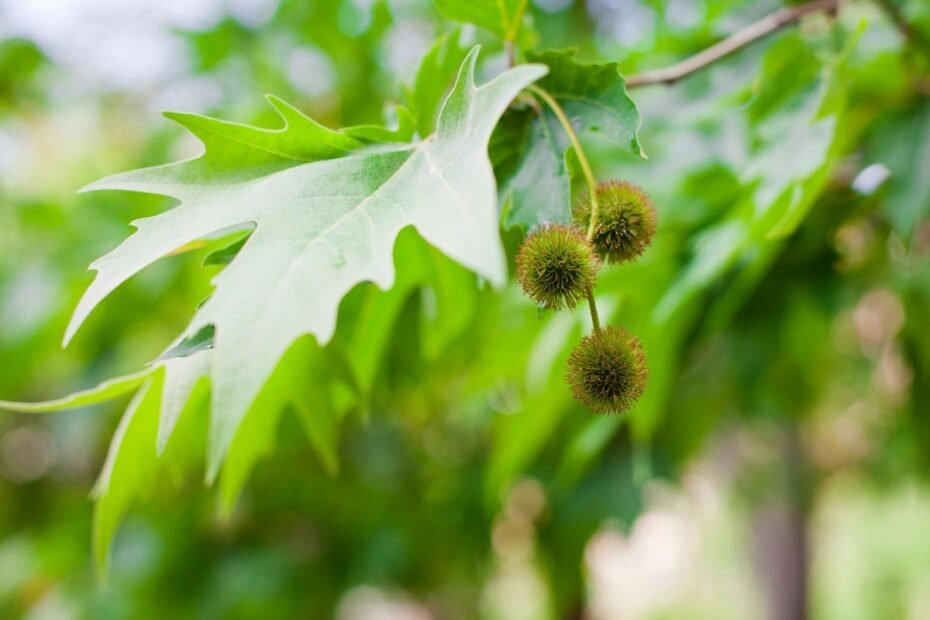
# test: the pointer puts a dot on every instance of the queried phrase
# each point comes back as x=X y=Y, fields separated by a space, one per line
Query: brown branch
x=910 y=34
x=748 y=35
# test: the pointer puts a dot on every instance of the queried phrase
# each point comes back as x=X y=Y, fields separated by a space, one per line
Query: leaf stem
x=579 y=151
x=586 y=171
x=595 y=320
x=513 y=28
x=911 y=34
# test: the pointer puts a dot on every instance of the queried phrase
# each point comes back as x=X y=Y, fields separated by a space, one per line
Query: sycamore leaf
x=594 y=97
x=321 y=226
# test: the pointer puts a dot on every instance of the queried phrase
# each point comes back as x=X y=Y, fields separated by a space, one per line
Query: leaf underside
x=326 y=210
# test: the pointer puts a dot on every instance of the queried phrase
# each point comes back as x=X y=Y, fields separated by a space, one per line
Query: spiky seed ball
x=556 y=266
x=607 y=371
x=626 y=220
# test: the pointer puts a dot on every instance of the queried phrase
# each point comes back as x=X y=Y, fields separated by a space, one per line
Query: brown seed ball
x=607 y=371
x=556 y=266
x=626 y=223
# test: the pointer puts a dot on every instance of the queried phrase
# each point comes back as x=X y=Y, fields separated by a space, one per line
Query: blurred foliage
x=429 y=460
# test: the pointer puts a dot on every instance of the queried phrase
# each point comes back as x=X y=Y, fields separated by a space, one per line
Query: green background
x=776 y=463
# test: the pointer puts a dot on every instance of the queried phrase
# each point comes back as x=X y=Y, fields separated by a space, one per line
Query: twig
x=586 y=172
x=748 y=35
x=911 y=35
x=592 y=305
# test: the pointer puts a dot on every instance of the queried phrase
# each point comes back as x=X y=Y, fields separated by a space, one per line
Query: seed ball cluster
x=626 y=220
x=556 y=266
x=607 y=371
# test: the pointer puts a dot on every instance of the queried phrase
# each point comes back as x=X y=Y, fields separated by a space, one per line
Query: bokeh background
x=776 y=468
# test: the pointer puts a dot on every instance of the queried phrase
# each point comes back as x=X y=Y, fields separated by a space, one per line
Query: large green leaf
x=321 y=227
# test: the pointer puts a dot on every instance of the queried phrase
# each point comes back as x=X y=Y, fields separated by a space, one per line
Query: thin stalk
x=595 y=320
x=576 y=143
x=740 y=39
x=586 y=172
x=513 y=28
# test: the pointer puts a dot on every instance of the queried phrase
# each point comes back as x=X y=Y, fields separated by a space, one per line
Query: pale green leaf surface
x=320 y=228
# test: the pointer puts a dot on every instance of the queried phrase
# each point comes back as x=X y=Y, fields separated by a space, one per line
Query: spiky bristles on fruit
x=626 y=220
x=607 y=371
x=556 y=266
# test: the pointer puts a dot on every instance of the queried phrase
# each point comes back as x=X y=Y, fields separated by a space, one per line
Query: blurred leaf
x=502 y=17
x=226 y=254
x=903 y=146
x=129 y=466
x=520 y=436
x=20 y=60
x=594 y=97
x=189 y=345
x=435 y=75
x=402 y=130
x=182 y=375
x=539 y=191
x=292 y=382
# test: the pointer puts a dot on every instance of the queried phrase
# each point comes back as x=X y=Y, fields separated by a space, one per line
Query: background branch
x=910 y=34
x=748 y=35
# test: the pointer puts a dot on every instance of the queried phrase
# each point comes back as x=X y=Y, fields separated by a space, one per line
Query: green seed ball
x=556 y=266
x=626 y=223
x=607 y=371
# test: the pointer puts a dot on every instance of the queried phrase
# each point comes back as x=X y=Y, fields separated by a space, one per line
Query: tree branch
x=748 y=35
x=910 y=34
